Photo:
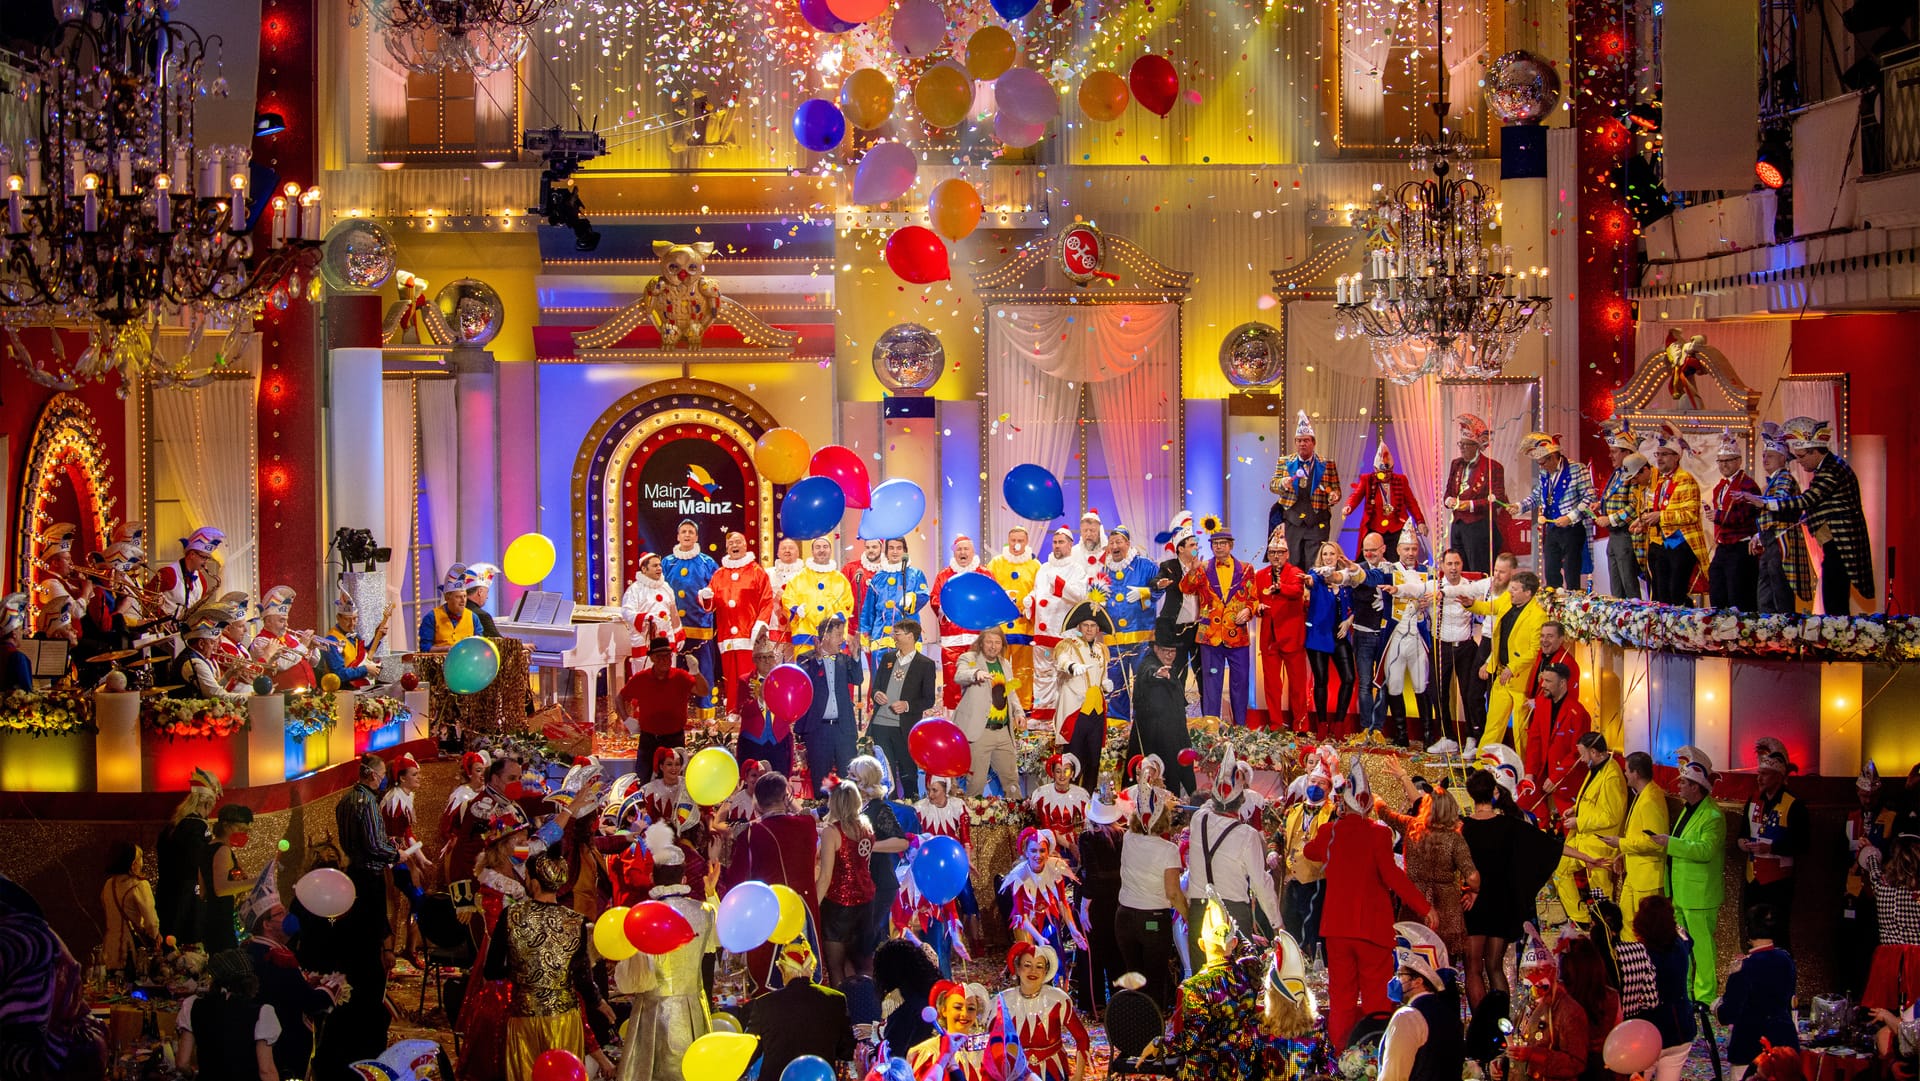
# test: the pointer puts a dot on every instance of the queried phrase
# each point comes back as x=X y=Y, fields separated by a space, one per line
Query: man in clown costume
x=689 y=572
x=955 y=639
x=1059 y=585
x=1130 y=603
x=1388 y=498
x=743 y=613
x=1015 y=568
x=896 y=591
x=814 y=595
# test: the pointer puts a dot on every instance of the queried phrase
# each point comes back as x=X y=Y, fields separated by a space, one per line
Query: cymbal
x=143 y=662
x=116 y=655
x=149 y=692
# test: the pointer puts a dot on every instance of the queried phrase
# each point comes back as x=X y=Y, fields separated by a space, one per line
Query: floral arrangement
x=1642 y=624
x=371 y=711
x=310 y=714
x=56 y=713
x=986 y=811
x=209 y=718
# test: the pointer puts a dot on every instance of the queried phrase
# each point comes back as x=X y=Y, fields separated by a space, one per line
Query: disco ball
x=357 y=256
x=1250 y=355
x=908 y=357
x=472 y=309
x=1522 y=88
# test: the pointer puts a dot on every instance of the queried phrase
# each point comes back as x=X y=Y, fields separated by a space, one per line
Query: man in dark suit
x=1179 y=619
x=831 y=724
x=900 y=694
x=801 y=1018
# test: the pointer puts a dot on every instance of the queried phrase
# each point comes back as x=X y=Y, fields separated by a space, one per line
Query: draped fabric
x=1126 y=358
x=1378 y=42
x=402 y=491
x=1421 y=444
x=1333 y=380
x=1817 y=398
x=204 y=459
x=439 y=422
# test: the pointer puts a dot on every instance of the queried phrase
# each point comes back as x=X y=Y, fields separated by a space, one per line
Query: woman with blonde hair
x=989 y=712
x=843 y=880
x=1329 y=637
x=889 y=840
x=186 y=854
x=1437 y=857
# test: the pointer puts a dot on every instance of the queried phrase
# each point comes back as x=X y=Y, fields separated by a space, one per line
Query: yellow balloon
x=1103 y=95
x=990 y=52
x=955 y=208
x=528 y=560
x=793 y=915
x=867 y=100
x=783 y=456
x=943 y=95
x=712 y=776
x=610 y=935
x=329 y=683
x=718 y=1056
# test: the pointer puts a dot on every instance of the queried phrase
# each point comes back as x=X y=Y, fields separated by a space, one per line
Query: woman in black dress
x=889 y=840
x=226 y=881
x=1515 y=860
x=186 y=844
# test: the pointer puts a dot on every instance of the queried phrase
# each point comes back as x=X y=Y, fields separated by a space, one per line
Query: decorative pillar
x=476 y=397
x=910 y=450
x=356 y=444
x=1602 y=51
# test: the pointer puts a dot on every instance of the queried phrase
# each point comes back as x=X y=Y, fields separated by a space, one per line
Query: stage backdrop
x=686 y=471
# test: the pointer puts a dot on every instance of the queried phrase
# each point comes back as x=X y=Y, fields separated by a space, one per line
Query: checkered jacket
x=1575 y=501
x=1678 y=500
x=1621 y=503
x=1324 y=496
x=1831 y=509
x=1783 y=528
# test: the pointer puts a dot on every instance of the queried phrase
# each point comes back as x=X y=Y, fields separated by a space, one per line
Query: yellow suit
x=1646 y=861
x=1599 y=811
x=809 y=599
x=1504 y=700
x=1016 y=577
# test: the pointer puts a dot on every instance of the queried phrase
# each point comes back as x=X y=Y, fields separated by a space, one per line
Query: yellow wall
x=510 y=262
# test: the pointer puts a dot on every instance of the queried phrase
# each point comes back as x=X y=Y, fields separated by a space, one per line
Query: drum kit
x=135 y=667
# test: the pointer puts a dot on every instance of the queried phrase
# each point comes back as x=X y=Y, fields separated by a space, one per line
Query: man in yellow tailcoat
x=1600 y=810
x=1014 y=568
x=1677 y=552
x=1515 y=626
x=1643 y=859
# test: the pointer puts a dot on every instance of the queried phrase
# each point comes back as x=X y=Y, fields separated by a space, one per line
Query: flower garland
x=206 y=718
x=987 y=811
x=310 y=714
x=56 y=713
x=371 y=711
x=1639 y=624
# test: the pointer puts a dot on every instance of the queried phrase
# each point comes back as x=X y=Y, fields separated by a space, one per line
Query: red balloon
x=940 y=748
x=918 y=255
x=410 y=682
x=789 y=694
x=1154 y=83
x=654 y=927
x=844 y=468
x=558 y=1065
x=1188 y=756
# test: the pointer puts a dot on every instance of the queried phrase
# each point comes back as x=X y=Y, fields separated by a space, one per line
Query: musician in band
x=345 y=654
x=450 y=620
x=191 y=579
x=480 y=578
x=231 y=651
x=281 y=653
x=16 y=671
x=62 y=587
x=196 y=672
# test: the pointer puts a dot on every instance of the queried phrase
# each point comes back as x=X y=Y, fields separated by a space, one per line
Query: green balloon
x=285 y=845
x=471 y=665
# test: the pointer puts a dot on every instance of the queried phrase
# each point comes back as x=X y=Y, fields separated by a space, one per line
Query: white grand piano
x=573 y=638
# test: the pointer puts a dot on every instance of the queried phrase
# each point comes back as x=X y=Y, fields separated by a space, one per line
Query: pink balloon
x=789 y=695
x=843 y=467
x=919 y=27
x=1632 y=1047
x=885 y=173
x=1016 y=133
x=1026 y=95
x=857 y=11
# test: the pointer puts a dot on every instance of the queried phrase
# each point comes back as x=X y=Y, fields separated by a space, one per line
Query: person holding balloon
x=670 y=1002
x=451 y=620
x=1059 y=585
x=764 y=735
x=818 y=593
x=690 y=572
x=1015 y=568
x=955 y=637
x=946 y=1054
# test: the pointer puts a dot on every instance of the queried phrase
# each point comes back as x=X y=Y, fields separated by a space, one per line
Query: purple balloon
x=822 y=18
x=819 y=125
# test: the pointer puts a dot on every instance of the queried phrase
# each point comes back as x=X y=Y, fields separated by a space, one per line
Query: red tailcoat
x=1551 y=745
x=1389 y=501
x=1362 y=879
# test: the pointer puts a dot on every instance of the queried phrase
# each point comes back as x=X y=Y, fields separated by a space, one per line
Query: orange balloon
x=783 y=456
x=990 y=52
x=955 y=208
x=867 y=98
x=1103 y=95
x=943 y=95
x=857 y=11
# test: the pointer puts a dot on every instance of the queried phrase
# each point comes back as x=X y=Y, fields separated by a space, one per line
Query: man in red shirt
x=776 y=846
x=1554 y=729
x=1357 y=921
x=1554 y=650
x=1280 y=589
x=655 y=702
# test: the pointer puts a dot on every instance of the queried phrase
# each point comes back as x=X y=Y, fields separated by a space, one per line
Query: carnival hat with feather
x=1668 y=438
x=1354 y=787
x=1506 y=766
x=1303 y=427
x=1539 y=445
x=1088 y=611
x=13 y=613
x=1696 y=766
x=1729 y=446
x=264 y=899
x=1178 y=530
x=1618 y=433
x=1773 y=439
x=408 y=1060
x=1474 y=430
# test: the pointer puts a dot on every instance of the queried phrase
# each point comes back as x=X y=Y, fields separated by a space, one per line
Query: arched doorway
x=682 y=448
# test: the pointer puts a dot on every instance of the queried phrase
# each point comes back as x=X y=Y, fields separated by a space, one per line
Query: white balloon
x=885 y=173
x=1026 y=96
x=1016 y=133
x=325 y=892
x=724 y=1022
x=919 y=27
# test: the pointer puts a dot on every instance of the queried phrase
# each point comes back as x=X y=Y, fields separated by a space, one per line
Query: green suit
x=1696 y=859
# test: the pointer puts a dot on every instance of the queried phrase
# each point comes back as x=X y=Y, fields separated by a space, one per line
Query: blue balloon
x=894 y=508
x=807 y=1068
x=819 y=125
x=470 y=665
x=1034 y=493
x=940 y=869
x=1013 y=9
x=822 y=18
x=812 y=508
x=976 y=602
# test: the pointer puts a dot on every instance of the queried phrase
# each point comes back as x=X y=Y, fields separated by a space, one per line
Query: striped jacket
x=1831 y=509
x=1573 y=485
x=1677 y=498
x=1783 y=528
x=1621 y=503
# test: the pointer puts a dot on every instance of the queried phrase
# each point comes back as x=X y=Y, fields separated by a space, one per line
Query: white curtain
x=439 y=422
x=205 y=460
x=1127 y=357
x=1817 y=398
x=401 y=437
x=1422 y=447
x=1333 y=380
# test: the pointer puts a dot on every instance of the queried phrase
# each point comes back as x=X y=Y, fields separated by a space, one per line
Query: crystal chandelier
x=116 y=219
x=1436 y=296
x=480 y=36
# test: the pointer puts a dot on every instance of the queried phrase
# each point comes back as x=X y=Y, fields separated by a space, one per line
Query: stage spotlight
x=1774 y=164
x=268 y=124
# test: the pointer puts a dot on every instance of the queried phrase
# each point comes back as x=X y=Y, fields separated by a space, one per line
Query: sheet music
x=542 y=609
x=49 y=657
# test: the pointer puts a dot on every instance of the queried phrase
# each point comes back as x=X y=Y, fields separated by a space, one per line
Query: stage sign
x=687 y=471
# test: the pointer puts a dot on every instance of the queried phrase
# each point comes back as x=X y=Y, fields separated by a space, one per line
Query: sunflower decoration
x=1000 y=692
x=1211 y=523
